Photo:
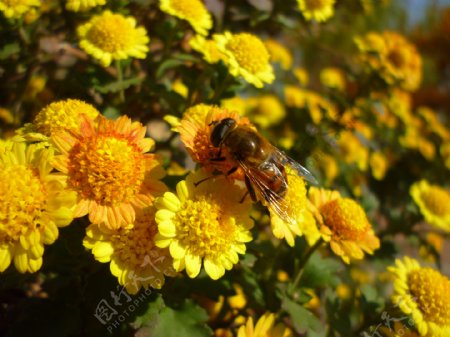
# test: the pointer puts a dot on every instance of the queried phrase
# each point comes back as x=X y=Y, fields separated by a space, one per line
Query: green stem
x=221 y=88
x=302 y=264
x=120 y=80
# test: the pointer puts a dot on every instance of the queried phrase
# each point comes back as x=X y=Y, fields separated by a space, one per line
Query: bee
x=264 y=165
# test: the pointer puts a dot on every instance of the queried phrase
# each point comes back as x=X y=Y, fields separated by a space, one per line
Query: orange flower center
x=345 y=218
x=106 y=168
x=431 y=291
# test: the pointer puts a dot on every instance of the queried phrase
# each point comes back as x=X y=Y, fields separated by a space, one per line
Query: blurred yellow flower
x=445 y=153
x=333 y=78
x=344 y=224
x=33 y=204
x=433 y=202
x=207 y=47
x=193 y=11
x=318 y=10
x=301 y=75
x=279 y=53
x=433 y=123
x=246 y=55
x=304 y=223
x=264 y=328
x=423 y=294
x=398 y=330
x=327 y=164
x=107 y=165
x=6 y=116
x=134 y=258
x=353 y=150
x=316 y=105
x=180 y=88
x=392 y=57
x=83 y=5
x=110 y=36
x=238 y=301
x=378 y=164
x=204 y=224
x=236 y=103
x=265 y=110
x=14 y=9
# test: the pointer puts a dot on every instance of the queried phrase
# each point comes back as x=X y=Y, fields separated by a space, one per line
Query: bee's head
x=221 y=130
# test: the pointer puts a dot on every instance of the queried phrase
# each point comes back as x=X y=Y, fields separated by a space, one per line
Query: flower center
x=397 y=58
x=250 y=52
x=437 y=200
x=22 y=201
x=112 y=33
x=192 y=9
x=203 y=147
x=316 y=4
x=141 y=236
x=203 y=228
x=431 y=291
x=107 y=169
x=346 y=218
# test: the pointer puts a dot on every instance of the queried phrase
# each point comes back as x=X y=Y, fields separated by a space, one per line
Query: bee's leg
x=202 y=180
x=250 y=190
x=231 y=171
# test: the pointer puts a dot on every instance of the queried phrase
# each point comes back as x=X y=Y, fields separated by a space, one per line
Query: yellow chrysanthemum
x=306 y=99
x=392 y=57
x=193 y=11
x=33 y=204
x=353 y=150
x=67 y=114
x=301 y=75
x=333 y=78
x=107 y=165
x=134 y=258
x=433 y=202
x=265 y=110
x=319 y=10
x=207 y=47
x=279 y=53
x=14 y=9
x=83 y=5
x=204 y=225
x=378 y=164
x=264 y=327
x=246 y=55
x=110 y=36
x=423 y=294
x=343 y=223
x=195 y=132
x=304 y=223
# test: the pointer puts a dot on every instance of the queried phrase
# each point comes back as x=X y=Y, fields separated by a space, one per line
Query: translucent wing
x=258 y=179
x=286 y=160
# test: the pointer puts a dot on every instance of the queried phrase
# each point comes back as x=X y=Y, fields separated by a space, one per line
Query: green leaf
x=118 y=85
x=302 y=319
x=188 y=320
x=167 y=65
x=320 y=272
x=8 y=50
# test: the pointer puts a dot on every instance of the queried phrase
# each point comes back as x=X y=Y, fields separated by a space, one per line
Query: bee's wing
x=264 y=193
x=302 y=171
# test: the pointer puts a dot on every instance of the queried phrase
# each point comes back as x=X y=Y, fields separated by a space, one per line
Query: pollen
x=112 y=33
x=437 y=200
x=107 y=169
x=202 y=228
x=22 y=199
x=346 y=218
x=250 y=52
x=431 y=291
